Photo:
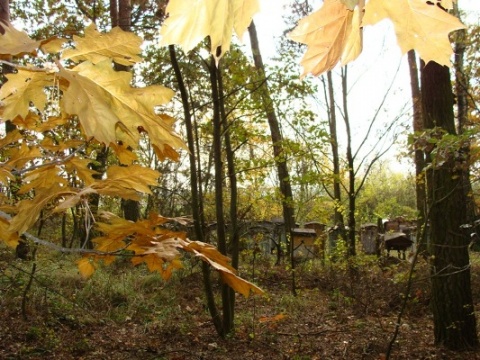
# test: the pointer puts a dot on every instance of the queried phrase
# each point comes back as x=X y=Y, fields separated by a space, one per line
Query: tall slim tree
x=332 y=125
x=417 y=128
x=277 y=139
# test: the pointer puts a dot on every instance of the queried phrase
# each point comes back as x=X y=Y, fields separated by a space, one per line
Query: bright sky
x=371 y=74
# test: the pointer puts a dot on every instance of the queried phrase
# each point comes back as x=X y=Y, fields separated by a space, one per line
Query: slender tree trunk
x=234 y=235
x=219 y=209
x=278 y=151
x=417 y=128
x=452 y=304
x=351 y=172
x=195 y=184
x=332 y=123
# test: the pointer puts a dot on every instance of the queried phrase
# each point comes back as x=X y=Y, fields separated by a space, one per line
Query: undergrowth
x=355 y=300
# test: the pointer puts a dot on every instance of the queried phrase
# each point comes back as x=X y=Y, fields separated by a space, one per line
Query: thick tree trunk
x=452 y=305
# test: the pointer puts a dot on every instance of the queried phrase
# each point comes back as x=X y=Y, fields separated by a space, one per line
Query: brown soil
x=335 y=315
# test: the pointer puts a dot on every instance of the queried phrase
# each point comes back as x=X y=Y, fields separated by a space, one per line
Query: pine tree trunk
x=452 y=304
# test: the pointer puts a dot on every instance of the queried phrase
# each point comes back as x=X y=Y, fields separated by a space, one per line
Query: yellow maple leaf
x=28 y=211
x=190 y=21
x=81 y=167
x=21 y=155
x=418 y=25
x=331 y=35
x=109 y=109
x=51 y=123
x=43 y=177
x=10 y=238
x=86 y=266
x=125 y=156
x=15 y=42
x=238 y=284
x=109 y=243
x=53 y=45
x=10 y=137
x=5 y=176
x=29 y=122
x=220 y=262
x=124 y=181
x=123 y=178
x=153 y=261
x=22 y=88
x=123 y=47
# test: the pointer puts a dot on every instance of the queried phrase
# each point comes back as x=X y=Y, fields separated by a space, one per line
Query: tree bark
x=196 y=190
x=278 y=151
x=121 y=15
x=234 y=236
x=352 y=195
x=332 y=123
x=452 y=304
x=219 y=208
x=417 y=128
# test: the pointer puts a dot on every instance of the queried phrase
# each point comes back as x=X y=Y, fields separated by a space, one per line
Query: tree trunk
x=121 y=15
x=278 y=151
x=234 y=236
x=332 y=123
x=351 y=251
x=196 y=186
x=417 y=128
x=452 y=305
x=219 y=209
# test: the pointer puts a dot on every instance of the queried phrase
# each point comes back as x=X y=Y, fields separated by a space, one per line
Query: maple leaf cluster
x=333 y=33
x=66 y=112
x=44 y=103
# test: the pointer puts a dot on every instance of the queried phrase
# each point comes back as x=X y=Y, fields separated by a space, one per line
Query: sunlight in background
x=380 y=66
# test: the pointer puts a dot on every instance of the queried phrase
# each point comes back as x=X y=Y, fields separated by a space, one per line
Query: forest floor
x=127 y=313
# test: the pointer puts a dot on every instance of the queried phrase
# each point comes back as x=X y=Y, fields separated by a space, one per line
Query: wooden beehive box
x=304 y=242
